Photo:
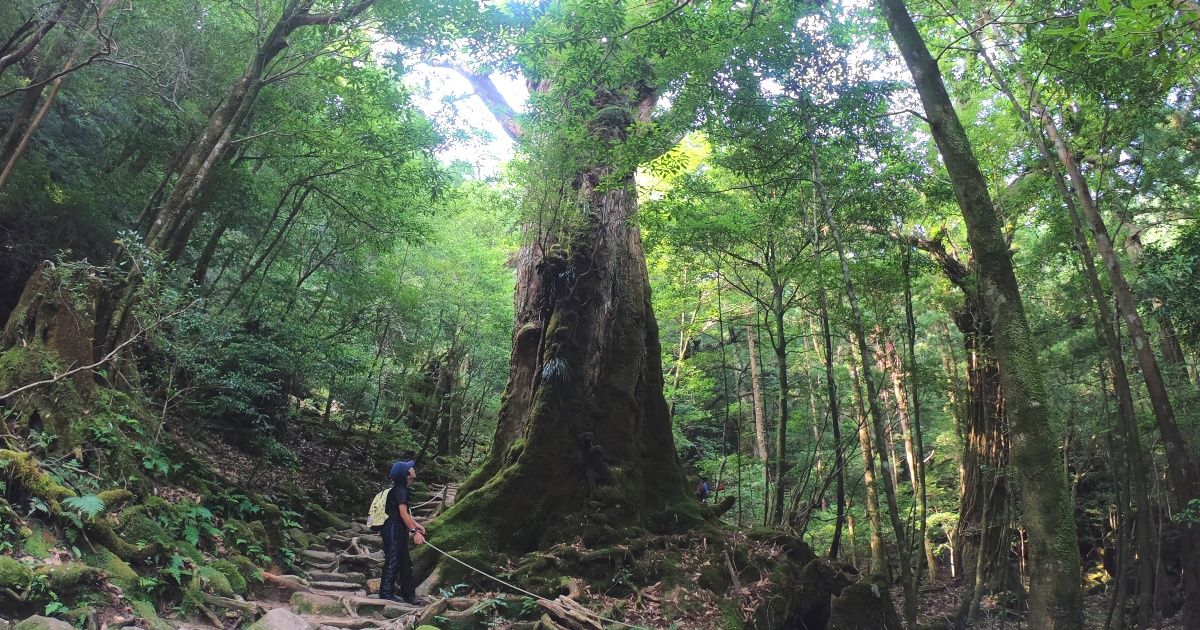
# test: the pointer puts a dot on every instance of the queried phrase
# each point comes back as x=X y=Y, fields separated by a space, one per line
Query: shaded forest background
x=239 y=272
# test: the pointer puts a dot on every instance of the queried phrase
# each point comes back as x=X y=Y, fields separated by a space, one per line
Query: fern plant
x=88 y=506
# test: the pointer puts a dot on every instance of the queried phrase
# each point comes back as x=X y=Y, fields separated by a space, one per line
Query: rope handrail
x=533 y=595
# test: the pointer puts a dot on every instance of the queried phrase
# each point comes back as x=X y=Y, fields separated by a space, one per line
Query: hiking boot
x=392 y=597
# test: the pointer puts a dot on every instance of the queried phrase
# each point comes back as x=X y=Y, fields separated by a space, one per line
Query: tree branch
x=487 y=92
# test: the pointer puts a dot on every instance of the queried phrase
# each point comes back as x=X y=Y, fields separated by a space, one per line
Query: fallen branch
x=570 y=614
x=250 y=608
x=285 y=583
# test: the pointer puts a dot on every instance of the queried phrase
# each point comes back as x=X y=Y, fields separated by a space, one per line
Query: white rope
x=533 y=595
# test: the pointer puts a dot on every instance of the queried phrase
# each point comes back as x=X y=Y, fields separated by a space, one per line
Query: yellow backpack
x=378 y=512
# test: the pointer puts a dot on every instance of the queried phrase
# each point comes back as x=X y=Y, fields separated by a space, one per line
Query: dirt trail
x=341 y=579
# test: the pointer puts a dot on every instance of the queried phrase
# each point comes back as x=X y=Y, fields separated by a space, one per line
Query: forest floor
x=940 y=602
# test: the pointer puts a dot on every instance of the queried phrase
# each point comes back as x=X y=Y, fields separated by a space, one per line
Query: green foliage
x=87 y=506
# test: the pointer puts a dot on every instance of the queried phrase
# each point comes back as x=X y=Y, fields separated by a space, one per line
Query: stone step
x=343 y=540
x=333 y=604
x=365 y=561
x=318 y=555
x=326 y=576
x=359 y=528
x=332 y=585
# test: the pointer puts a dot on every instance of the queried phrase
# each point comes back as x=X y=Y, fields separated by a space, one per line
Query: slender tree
x=1055 y=594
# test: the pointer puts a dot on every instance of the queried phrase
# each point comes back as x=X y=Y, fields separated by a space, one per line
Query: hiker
x=702 y=491
x=396 y=529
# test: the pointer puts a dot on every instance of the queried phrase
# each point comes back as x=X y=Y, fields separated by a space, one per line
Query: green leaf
x=88 y=505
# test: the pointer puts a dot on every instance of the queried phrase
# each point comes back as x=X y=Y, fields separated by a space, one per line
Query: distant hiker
x=397 y=564
x=702 y=490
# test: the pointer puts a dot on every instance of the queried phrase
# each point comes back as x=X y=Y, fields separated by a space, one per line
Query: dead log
x=570 y=614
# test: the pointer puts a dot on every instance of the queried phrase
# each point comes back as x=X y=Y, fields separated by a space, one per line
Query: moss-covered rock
x=212 y=580
x=804 y=585
x=38 y=542
x=239 y=534
x=13 y=574
x=137 y=524
x=322 y=518
x=314 y=604
x=70 y=578
x=251 y=574
x=864 y=605
x=234 y=576
x=118 y=571
x=347 y=491
x=300 y=537
x=713 y=578
x=269 y=538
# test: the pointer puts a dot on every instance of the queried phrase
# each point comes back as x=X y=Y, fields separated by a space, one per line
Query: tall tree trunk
x=918 y=432
x=1056 y=596
x=584 y=406
x=781 y=364
x=879 y=557
x=1181 y=466
x=685 y=325
x=836 y=418
x=23 y=127
x=170 y=225
x=881 y=445
x=1107 y=335
x=981 y=539
x=760 y=416
x=200 y=272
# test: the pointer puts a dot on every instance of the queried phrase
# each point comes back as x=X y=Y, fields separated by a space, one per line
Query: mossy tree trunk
x=879 y=557
x=585 y=360
x=1056 y=597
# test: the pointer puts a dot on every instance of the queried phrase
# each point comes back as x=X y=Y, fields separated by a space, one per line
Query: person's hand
x=419 y=538
x=420 y=528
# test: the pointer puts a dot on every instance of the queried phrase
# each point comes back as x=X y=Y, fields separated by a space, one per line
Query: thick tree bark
x=983 y=535
x=584 y=440
x=1055 y=594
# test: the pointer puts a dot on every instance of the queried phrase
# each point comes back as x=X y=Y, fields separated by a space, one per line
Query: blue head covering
x=400 y=468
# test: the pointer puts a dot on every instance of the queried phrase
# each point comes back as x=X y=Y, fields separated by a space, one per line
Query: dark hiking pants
x=397 y=565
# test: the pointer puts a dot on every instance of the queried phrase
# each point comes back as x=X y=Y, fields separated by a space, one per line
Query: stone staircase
x=340 y=581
